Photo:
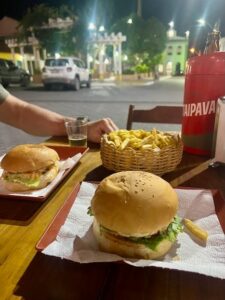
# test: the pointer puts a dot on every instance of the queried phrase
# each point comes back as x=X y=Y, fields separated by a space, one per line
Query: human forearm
x=39 y=121
x=31 y=118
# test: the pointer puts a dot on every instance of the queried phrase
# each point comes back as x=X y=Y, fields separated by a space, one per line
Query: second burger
x=135 y=215
x=29 y=167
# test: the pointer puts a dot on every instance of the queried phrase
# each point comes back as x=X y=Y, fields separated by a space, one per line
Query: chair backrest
x=158 y=114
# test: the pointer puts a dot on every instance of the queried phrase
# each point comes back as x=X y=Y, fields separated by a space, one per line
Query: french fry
x=141 y=139
x=124 y=143
x=146 y=146
x=196 y=230
x=112 y=135
x=117 y=141
x=147 y=140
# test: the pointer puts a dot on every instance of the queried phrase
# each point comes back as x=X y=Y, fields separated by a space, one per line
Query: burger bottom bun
x=45 y=179
x=110 y=243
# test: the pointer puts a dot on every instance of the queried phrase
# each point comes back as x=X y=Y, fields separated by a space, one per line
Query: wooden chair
x=158 y=114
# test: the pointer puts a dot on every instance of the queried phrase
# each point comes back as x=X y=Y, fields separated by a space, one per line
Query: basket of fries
x=152 y=151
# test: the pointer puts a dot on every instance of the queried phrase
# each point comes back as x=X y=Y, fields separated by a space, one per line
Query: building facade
x=175 y=54
x=24 y=54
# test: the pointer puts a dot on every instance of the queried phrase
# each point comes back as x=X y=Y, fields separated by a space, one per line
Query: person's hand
x=97 y=128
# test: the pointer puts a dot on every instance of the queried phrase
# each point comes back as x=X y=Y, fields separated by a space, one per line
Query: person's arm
x=39 y=121
x=31 y=118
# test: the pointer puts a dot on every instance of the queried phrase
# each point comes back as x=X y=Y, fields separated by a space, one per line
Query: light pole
x=91 y=35
x=139 y=8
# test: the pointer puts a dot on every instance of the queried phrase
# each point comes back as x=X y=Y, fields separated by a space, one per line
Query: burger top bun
x=28 y=158
x=134 y=203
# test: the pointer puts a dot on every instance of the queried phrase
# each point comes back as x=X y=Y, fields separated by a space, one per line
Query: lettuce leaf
x=30 y=182
x=89 y=211
x=171 y=233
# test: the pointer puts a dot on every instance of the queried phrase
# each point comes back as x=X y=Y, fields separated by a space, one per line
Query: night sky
x=183 y=12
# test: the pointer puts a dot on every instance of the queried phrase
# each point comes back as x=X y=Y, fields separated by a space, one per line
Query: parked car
x=10 y=73
x=69 y=71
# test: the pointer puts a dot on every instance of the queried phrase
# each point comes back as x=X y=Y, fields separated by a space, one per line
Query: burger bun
x=28 y=158
x=129 y=206
x=125 y=248
x=28 y=162
x=134 y=203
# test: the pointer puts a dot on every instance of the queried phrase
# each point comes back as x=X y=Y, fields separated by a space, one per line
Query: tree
x=68 y=41
x=146 y=40
x=73 y=40
x=52 y=39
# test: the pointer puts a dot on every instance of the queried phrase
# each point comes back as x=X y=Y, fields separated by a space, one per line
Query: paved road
x=103 y=99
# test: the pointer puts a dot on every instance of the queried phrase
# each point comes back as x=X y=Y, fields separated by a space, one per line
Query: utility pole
x=139 y=8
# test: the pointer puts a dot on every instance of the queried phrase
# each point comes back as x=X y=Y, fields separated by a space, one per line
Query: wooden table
x=28 y=274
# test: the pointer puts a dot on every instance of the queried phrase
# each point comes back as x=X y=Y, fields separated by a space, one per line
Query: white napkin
x=76 y=242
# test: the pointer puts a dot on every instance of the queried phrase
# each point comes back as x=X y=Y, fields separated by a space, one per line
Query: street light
x=106 y=61
x=192 y=50
x=171 y=24
x=129 y=21
x=91 y=26
x=202 y=22
x=101 y=28
x=57 y=55
x=187 y=34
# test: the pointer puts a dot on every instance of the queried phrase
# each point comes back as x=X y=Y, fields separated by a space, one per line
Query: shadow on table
x=49 y=278
x=17 y=212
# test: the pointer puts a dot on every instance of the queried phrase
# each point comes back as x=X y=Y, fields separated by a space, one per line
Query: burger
x=135 y=215
x=29 y=167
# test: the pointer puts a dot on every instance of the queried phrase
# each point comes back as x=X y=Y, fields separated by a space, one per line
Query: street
x=105 y=99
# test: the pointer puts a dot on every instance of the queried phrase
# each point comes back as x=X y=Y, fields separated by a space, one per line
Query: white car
x=70 y=71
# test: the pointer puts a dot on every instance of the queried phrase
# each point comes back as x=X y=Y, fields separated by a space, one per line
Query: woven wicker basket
x=158 y=162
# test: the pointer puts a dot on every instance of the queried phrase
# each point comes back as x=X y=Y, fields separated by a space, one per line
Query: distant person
x=156 y=74
x=42 y=122
x=178 y=69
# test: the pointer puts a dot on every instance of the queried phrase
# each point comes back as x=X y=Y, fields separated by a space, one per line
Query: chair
x=158 y=114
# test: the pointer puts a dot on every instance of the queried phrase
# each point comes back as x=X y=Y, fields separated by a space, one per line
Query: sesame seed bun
x=28 y=158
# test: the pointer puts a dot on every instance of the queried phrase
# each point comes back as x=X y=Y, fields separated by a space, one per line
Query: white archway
x=103 y=40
